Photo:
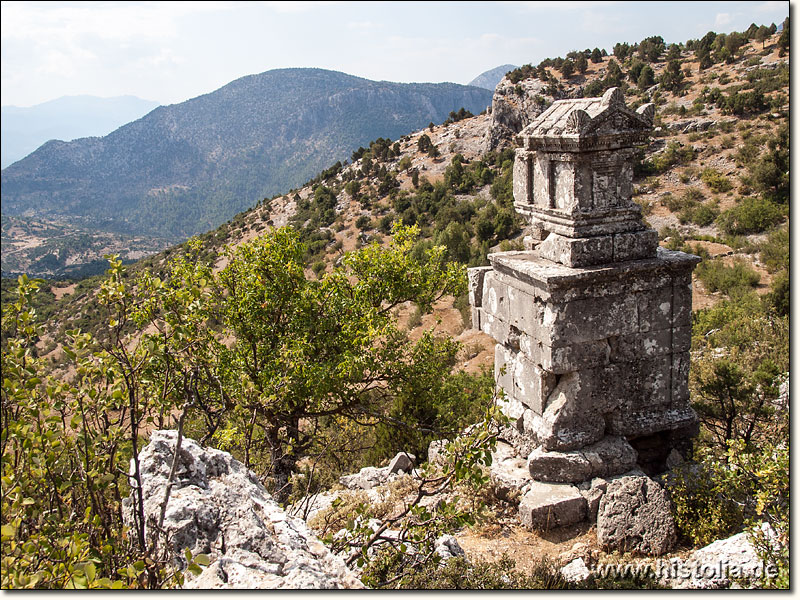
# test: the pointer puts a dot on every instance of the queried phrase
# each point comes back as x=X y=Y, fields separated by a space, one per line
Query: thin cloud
x=723 y=19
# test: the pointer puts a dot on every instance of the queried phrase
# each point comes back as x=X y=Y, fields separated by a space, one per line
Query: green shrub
x=716 y=181
x=774 y=251
x=717 y=276
x=363 y=222
x=750 y=215
x=460 y=574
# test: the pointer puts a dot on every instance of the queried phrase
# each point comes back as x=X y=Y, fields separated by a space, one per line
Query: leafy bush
x=66 y=450
x=717 y=276
x=460 y=574
x=774 y=251
x=750 y=215
x=716 y=181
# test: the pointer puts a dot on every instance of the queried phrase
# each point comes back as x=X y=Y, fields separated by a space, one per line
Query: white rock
x=576 y=571
x=218 y=507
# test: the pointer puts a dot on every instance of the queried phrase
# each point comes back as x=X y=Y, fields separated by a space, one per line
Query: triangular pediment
x=615 y=121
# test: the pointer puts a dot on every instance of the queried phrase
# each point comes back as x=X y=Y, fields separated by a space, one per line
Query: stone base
x=599 y=250
x=610 y=456
x=549 y=505
x=585 y=353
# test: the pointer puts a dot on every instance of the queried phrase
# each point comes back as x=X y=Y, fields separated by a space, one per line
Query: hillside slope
x=188 y=167
x=66 y=118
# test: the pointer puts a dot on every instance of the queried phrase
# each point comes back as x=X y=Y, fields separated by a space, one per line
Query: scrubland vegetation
x=287 y=350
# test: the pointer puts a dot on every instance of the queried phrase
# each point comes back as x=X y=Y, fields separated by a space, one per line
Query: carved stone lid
x=586 y=124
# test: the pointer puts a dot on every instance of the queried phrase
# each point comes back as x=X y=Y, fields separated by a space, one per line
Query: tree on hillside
x=307 y=353
x=762 y=34
x=581 y=64
x=597 y=56
x=672 y=77
x=567 y=68
x=647 y=78
x=783 y=40
x=614 y=76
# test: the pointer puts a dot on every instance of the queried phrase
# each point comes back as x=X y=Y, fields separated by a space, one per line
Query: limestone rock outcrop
x=514 y=106
x=219 y=508
x=722 y=563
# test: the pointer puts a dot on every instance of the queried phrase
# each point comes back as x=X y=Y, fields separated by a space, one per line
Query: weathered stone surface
x=402 y=461
x=578 y=252
x=569 y=422
x=610 y=456
x=719 y=564
x=549 y=505
x=218 y=507
x=562 y=467
x=475 y=278
x=508 y=473
x=635 y=245
x=575 y=571
x=367 y=478
x=447 y=547
x=593 y=495
x=635 y=516
x=436 y=450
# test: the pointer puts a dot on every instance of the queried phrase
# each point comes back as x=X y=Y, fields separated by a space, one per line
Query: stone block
x=682 y=339
x=637 y=346
x=475 y=278
x=648 y=421
x=532 y=384
x=508 y=473
x=568 y=358
x=632 y=386
x=635 y=245
x=593 y=492
x=549 y=505
x=570 y=420
x=591 y=319
x=635 y=515
x=578 y=252
x=475 y=314
x=610 y=456
x=525 y=311
x=655 y=309
x=504 y=359
x=680 y=378
x=494 y=300
x=561 y=467
x=494 y=327
x=681 y=305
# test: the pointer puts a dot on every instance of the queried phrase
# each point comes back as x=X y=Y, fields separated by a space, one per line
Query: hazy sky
x=172 y=51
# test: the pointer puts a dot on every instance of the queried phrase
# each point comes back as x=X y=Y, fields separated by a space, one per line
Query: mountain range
x=186 y=168
x=69 y=117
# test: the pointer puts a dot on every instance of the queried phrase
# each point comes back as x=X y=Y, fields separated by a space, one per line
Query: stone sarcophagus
x=592 y=320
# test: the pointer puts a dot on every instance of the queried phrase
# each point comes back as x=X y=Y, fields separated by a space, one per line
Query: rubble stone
x=635 y=515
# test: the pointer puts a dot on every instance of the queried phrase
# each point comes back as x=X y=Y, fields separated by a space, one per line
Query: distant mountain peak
x=488 y=80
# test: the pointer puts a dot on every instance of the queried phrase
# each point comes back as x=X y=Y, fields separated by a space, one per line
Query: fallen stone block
x=635 y=515
x=403 y=461
x=575 y=571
